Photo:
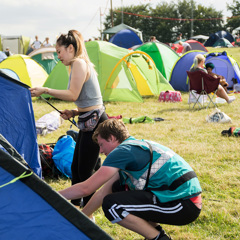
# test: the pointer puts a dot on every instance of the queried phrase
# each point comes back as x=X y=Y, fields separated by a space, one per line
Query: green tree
x=234 y=21
x=168 y=19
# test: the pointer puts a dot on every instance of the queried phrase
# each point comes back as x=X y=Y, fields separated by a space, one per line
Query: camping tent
x=17 y=122
x=46 y=57
x=204 y=37
x=17 y=44
x=196 y=45
x=31 y=209
x=163 y=56
x=215 y=36
x=125 y=75
x=225 y=65
x=120 y=27
x=179 y=79
x=134 y=76
x=222 y=42
x=28 y=70
x=57 y=79
x=125 y=38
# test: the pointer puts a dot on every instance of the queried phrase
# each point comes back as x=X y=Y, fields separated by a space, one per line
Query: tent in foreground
x=28 y=70
x=17 y=123
x=31 y=209
x=179 y=78
x=163 y=56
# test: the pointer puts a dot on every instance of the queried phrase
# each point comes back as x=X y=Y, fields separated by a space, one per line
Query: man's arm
x=96 y=200
x=82 y=189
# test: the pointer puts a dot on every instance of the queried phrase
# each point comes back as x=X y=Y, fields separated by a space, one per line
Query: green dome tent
x=125 y=75
x=163 y=56
x=57 y=79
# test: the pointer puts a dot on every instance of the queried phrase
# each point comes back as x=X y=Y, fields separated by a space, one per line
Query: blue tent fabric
x=17 y=123
x=31 y=209
x=125 y=38
x=178 y=78
x=223 y=66
x=215 y=36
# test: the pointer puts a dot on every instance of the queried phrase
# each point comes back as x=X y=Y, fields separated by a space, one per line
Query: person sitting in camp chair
x=210 y=66
x=199 y=61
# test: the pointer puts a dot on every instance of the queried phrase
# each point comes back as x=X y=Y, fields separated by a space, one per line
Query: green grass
x=216 y=159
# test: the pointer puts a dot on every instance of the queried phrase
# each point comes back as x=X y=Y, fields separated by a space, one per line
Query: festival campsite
x=182 y=144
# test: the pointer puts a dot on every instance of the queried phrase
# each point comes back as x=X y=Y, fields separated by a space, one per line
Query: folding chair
x=202 y=84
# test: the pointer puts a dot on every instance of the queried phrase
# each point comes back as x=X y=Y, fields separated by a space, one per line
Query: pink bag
x=170 y=96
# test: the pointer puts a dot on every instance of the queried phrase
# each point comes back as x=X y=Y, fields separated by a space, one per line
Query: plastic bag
x=218 y=117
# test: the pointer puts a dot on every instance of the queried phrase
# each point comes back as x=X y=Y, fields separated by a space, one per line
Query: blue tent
x=224 y=65
x=125 y=38
x=17 y=123
x=31 y=209
x=215 y=36
x=178 y=78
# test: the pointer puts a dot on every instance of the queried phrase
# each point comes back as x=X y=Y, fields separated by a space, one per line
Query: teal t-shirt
x=128 y=157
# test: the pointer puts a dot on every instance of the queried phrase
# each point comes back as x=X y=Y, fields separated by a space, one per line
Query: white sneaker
x=231 y=99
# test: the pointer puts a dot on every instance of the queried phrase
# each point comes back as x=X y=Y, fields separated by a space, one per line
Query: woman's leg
x=86 y=158
x=222 y=94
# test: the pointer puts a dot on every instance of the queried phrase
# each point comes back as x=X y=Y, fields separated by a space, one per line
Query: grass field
x=215 y=159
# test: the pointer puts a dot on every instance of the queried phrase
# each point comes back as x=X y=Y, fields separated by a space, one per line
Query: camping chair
x=202 y=84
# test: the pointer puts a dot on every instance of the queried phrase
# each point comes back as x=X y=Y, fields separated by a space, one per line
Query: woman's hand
x=66 y=114
x=37 y=91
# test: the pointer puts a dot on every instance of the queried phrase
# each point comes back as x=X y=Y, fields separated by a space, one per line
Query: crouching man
x=144 y=184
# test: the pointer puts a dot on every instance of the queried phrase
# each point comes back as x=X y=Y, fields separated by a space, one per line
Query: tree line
x=168 y=19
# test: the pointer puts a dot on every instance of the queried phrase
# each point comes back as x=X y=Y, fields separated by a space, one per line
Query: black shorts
x=143 y=204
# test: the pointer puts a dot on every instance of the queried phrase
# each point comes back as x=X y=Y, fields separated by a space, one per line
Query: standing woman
x=84 y=91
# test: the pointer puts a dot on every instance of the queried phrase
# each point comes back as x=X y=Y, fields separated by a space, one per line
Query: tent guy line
x=74 y=123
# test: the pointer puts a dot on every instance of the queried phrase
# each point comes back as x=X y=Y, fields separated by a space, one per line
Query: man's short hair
x=112 y=127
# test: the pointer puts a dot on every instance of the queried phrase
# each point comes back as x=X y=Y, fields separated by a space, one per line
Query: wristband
x=73 y=114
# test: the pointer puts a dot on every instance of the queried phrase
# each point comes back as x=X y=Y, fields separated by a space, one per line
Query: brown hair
x=75 y=38
x=112 y=127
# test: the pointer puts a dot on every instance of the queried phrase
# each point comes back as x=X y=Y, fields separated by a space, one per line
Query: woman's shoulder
x=79 y=63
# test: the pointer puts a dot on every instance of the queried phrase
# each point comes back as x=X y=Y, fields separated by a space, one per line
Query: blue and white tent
x=31 y=209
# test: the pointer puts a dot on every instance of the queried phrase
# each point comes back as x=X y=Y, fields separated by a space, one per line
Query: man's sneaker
x=162 y=235
x=165 y=237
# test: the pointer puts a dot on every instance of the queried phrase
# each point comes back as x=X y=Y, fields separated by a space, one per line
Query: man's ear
x=112 y=138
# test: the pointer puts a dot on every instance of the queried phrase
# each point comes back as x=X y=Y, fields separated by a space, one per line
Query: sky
x=50 y=18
